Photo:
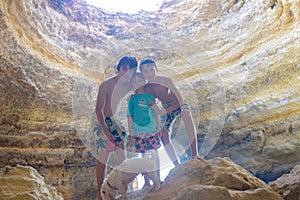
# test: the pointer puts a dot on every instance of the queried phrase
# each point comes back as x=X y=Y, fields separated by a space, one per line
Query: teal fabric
x=142 y=114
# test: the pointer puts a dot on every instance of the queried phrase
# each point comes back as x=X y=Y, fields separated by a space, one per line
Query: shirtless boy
x=163 y=88
x=110 y=93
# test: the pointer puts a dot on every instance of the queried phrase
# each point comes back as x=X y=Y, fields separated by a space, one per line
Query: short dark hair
x=146 y=61
x=127 y=60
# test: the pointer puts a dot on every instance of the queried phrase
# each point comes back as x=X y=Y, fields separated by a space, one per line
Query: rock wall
x=236 y=62
x=26 y=183
x=218 y=178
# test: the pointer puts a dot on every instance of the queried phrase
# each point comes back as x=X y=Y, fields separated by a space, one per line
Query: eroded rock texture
x=218 y=178
x=236 y=62
x=26 y=183
x=288 y=185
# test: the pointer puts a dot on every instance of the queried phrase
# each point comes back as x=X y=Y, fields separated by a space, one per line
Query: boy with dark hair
x=110 y=93
x=163 y=88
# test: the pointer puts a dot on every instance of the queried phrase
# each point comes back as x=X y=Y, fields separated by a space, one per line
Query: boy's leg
x=166 y=140
x=157 y=171
x=152 y=143
x=100 y=171
x=146 y=179
x=130 y=148
x=147 y=182
x=157 y=163
x=120 y=153
x=191 y=131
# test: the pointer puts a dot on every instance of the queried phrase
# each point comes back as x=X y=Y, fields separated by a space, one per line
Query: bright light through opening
x=126 y=6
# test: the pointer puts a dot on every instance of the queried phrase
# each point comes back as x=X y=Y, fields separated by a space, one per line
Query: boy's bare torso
x=114 y=90
x=161 y=92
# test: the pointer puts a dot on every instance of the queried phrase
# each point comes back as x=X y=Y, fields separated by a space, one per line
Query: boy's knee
x=165 y=134
x=165 y=139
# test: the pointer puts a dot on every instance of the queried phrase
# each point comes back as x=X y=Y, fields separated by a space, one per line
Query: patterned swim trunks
x=115 y=128
x=145 y=142
x=169 y=118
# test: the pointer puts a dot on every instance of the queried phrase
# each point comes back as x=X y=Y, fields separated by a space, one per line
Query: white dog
x=121 y=176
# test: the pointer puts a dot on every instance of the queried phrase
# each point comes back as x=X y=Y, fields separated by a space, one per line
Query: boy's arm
x=157 y=109
x=101 y=98
x=167 y=82
x=157 y=123
x=130 y=125
x=172 y=107
x=130 y=117
x=155 y=112
x=176 y=92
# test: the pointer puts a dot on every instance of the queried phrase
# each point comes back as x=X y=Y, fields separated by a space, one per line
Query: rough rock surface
x=218 y=178
x=237 y=63
x=23 y=182
x=288 y=185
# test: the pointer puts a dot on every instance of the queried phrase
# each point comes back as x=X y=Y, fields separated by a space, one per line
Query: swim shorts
x=145 y=142
x=116 y=129
x=169 y=118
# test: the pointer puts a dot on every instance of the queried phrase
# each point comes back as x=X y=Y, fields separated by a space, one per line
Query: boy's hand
x=109 y=136
x=159 y=133
x=130 y=137
x=152 y=102
x=156 y=108
x=110 y=146
x=129 y=97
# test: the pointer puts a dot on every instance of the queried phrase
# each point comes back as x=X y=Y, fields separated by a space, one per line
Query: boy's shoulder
x=107 y=84
x=110 y=79
x=163 y=79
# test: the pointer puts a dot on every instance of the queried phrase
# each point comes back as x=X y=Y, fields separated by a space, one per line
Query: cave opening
x=130 y=7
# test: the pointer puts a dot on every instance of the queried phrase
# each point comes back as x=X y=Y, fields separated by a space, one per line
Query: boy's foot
x=99 y=197
x=197 y=157
x=99 y=194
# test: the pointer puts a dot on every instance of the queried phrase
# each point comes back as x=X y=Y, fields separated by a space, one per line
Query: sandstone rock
x=257 y=194
x=218 y=172
x=288 y=185
x=251 y=147
x=24 y=182
x=218 y=178
x=195 y=192
x=221 y=193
